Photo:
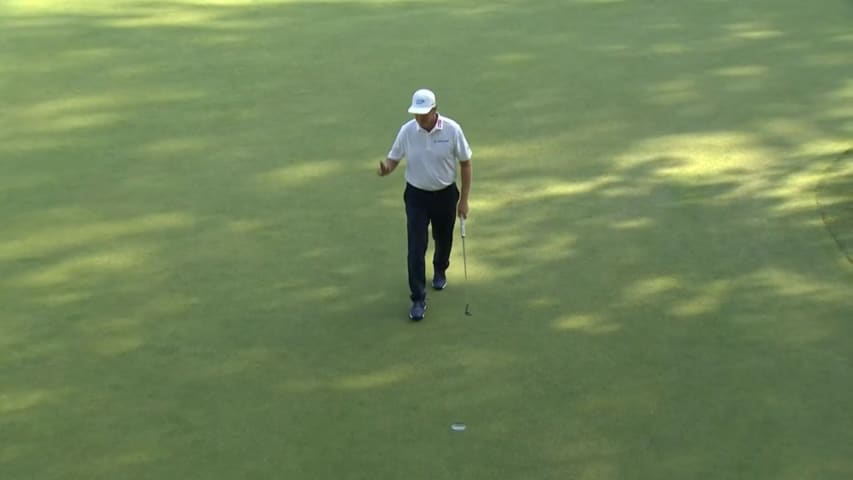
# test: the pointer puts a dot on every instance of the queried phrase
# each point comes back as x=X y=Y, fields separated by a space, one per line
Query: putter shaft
x=464 y=256
x=465 y=265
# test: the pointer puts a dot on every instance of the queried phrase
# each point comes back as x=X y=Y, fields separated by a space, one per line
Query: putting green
x=202 y=276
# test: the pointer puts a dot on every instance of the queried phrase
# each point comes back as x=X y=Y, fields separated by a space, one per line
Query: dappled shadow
x=202 y=277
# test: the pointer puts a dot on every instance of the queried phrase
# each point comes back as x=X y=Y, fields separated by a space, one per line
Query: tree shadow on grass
x=202 y=278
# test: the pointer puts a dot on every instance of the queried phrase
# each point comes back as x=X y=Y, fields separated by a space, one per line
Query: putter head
x=468 y=310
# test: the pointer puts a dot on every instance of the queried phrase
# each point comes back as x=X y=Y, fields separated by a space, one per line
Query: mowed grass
x=203 y=278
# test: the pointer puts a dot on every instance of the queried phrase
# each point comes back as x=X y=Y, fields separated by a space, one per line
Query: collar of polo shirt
x=439 y=124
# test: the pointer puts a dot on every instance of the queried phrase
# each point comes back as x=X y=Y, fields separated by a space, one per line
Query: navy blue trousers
x=424 y=209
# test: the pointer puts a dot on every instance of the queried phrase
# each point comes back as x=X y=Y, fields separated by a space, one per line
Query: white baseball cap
x=423 y=101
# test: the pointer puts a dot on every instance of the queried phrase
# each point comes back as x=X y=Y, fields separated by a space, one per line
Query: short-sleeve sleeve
x=398 y=149
x=461 y=147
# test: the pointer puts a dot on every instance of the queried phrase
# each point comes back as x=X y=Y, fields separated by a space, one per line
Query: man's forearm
x=465 y=170
x=387 y=166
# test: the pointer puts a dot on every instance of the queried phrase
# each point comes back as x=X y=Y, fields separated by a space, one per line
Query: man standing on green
x=433 y=145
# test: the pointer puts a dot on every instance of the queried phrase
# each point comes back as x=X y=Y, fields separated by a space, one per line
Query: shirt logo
x=440 y=141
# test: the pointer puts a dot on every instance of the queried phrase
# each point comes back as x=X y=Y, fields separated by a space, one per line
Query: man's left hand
x=462 y=209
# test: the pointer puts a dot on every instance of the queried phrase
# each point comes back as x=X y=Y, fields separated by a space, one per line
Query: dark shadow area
x=203 y=278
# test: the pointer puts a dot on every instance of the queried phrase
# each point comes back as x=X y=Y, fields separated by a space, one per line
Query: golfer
x=432 y=145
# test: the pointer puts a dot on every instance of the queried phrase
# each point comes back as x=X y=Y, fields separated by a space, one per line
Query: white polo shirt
x=431 y=157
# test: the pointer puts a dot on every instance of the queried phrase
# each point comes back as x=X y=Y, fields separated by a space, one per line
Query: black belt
x=409 y=185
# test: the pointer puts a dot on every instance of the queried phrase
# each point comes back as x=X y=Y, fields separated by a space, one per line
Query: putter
x=465 y=265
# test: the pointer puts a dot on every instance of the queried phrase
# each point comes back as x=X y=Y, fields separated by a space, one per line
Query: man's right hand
x=384 y=168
